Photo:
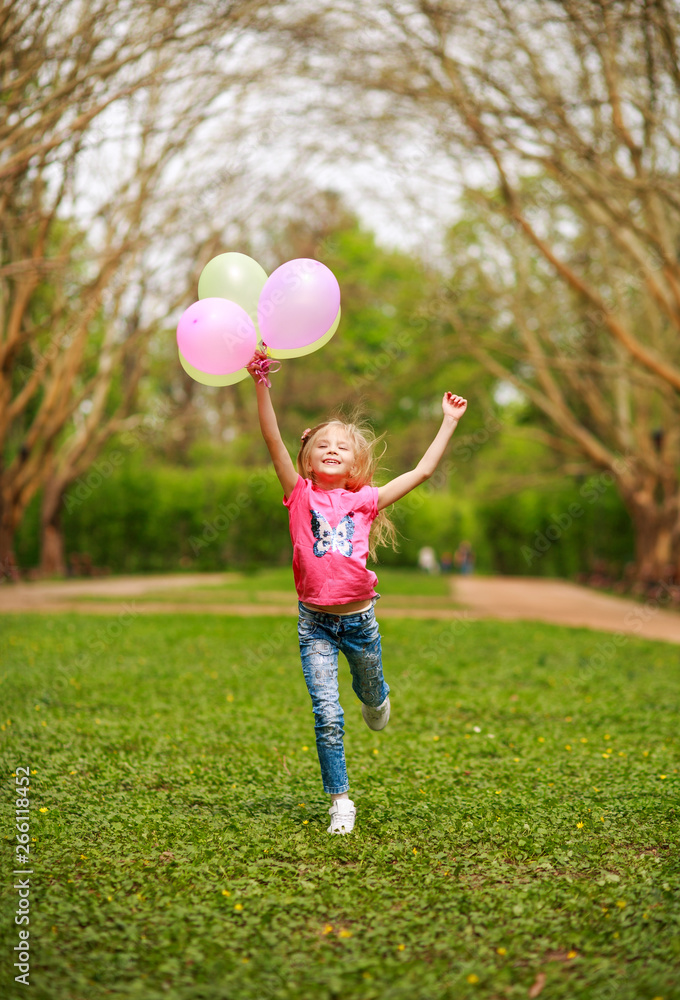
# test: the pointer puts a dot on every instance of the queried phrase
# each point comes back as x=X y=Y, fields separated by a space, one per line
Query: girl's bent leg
x=320 y=668
x=363 y=650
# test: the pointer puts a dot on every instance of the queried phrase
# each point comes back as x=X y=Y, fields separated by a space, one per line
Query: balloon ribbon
x=262 y=368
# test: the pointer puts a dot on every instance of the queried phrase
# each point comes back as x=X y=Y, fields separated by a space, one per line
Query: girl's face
x=331 y=457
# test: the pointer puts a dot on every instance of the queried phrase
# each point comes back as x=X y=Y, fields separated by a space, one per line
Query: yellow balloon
x=205 y=379
x=233 y=276
x=298 y=352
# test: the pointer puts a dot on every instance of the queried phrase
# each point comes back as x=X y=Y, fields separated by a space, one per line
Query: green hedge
x=559 y=532
x=155 y=517
x=131 y=516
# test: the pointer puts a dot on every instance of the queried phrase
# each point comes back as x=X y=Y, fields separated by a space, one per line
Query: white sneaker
x=343 y=815
x=376 y=718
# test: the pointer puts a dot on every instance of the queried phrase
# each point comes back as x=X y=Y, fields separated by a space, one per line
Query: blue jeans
x=322 y=636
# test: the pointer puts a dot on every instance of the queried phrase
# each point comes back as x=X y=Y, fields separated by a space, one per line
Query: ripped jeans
x=321 y=637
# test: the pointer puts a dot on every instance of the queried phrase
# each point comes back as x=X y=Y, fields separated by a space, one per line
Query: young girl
x=332 y=504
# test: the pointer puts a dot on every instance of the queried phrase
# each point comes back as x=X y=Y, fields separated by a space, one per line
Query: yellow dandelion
x=580 y=825
x=400 y=947
x=374 y=750
x=328 y=928
x=345 y=933
x=584 y=739
x=109 y=899
x=305 y=822
x=472 y=978
x=541 y=739
x=244 y=959
x=516 y=760
x=43 y=809
x=572 y=954
x=225 y=892
x=567 y=746
x=415 y=850
x=663 y=777
x=435 y=738
x=305 y=748
x=645 y=753
x=238 y=907
x=501 y=951
x=230 y=697
x=607 y=736
x=620 y=903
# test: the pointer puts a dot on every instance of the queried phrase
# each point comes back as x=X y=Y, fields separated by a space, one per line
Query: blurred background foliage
x=191 y=488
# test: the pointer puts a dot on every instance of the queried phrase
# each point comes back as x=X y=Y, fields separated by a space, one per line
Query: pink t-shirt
x=329 y=530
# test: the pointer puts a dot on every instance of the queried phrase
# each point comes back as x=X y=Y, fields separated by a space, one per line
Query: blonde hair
x=365 y=447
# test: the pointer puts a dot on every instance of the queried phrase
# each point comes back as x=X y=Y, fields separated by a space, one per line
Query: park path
x=510 y=598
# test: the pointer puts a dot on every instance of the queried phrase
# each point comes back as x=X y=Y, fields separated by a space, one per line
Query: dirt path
x=563 y=603
x=510 y=598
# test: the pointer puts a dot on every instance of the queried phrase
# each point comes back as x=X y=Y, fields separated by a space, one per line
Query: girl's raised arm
x=283 y=463
x=453 y=407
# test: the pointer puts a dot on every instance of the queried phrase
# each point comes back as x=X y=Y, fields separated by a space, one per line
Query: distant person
x=446 y=562
x=427 y=560
x=464 y=558
x=333 y=505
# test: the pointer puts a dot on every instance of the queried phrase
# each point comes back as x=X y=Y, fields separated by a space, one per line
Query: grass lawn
x=517 y=822
x=406 y=586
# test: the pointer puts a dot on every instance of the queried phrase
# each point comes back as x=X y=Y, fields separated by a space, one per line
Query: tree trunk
x=657 y=540
x=8 y=564
x=52 y=559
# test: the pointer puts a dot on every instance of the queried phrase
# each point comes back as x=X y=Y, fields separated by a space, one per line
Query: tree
x=103 y=106
x=559 y=120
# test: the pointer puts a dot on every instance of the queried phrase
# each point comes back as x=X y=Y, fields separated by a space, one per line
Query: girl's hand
x=453 y=406
x=252 y=366
x=260 y=365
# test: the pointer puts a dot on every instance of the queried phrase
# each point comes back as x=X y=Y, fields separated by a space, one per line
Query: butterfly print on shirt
x=332 y=539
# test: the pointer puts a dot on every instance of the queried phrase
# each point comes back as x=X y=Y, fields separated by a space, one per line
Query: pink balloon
x=216 y=336
x=298 y=304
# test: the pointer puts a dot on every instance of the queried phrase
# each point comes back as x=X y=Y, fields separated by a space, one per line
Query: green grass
x=268 y=584
x=513 y=820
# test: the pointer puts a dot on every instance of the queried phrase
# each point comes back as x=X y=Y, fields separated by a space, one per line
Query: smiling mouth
x=330 y=461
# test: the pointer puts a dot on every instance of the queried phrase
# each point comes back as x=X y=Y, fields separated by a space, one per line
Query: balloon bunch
x=294 y=311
